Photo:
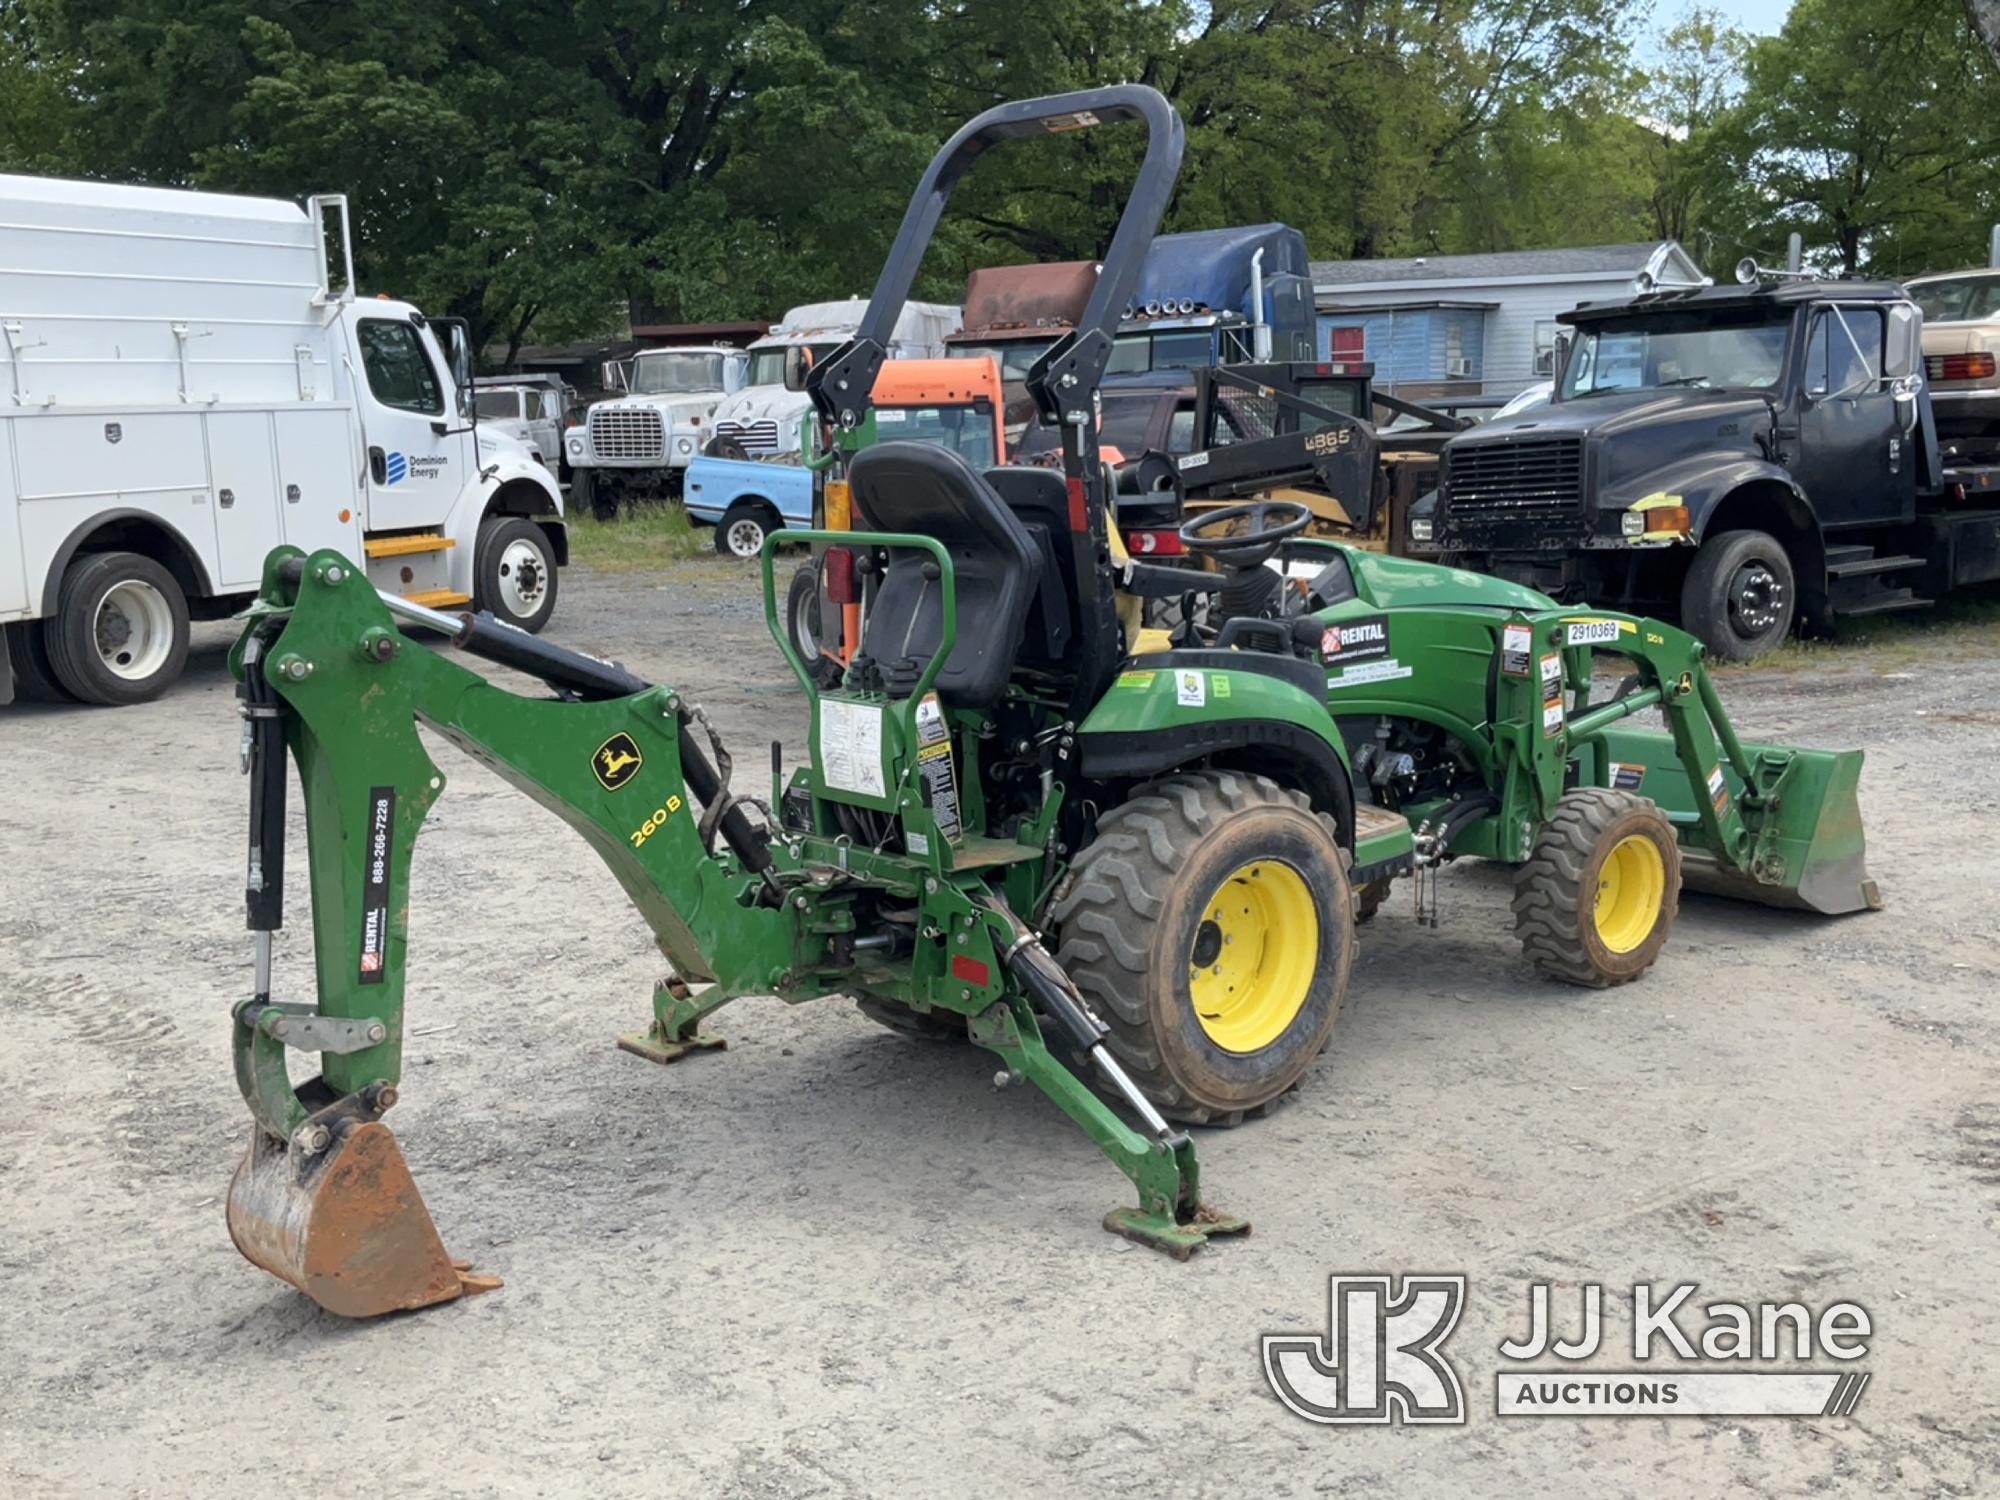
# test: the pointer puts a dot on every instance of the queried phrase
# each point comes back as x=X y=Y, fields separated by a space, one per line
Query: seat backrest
x=1039 y=499
x=931 y=491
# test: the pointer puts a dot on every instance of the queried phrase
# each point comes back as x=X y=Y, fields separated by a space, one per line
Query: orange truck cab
x=953 y=403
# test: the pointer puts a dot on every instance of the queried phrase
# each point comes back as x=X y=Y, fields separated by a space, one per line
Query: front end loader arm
x=323 y=1199
x=1779 y=825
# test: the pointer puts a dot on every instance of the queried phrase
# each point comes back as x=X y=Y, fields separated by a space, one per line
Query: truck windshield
x=1015 y=357
x=498 y=406
x=1738 y=350
x=1962 y=299
x=1182 y=349
x=671 y=374
x=966 y=430
x=767 y=366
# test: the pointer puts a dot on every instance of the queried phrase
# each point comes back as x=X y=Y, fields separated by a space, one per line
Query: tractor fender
x=1704 y=481
x=1252 y=710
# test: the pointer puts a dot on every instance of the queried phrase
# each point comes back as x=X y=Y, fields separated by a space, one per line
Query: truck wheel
x=743 y=527
x=515 y=572
x=1596 y=899
x=802 y=621
x=726 y=447
x=120 y=631
x=1739 y=595
x=34 y=679
x=1210 y=925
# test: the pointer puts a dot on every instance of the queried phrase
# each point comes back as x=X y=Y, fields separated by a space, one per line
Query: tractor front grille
x=629 y=434
x=756 y=437
x=1529 y=479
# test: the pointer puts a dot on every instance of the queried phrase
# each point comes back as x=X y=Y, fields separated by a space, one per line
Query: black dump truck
x=1754 y=457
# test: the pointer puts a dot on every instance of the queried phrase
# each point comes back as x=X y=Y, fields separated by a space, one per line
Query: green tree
x=1870 y=130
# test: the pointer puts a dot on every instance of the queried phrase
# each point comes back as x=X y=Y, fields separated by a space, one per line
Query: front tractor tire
x=1210 y=925
x=1597 y=898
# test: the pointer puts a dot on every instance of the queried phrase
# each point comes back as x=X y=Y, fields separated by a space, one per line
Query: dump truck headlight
x=576 y=447
x=684 y=447
x=1632 y=523
x=1420 y=530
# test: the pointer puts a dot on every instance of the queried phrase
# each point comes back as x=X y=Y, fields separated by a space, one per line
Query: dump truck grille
x=756 y=437
x=630 y=433
x=1533 y=479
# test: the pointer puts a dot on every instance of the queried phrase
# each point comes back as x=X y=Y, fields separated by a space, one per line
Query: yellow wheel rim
x=1630 y=887
x=1250 y=966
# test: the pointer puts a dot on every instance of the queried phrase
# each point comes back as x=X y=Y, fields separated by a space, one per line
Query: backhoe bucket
x=346 y=1225
x=1806 y=850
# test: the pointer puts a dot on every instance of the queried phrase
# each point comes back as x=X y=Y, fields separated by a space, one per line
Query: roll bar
x=1064 y=381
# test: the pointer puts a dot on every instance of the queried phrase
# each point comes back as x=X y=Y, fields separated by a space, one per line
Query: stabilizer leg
x=677 y=1011
x=1171 y=1216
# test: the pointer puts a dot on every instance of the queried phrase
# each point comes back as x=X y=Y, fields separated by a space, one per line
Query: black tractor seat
x=931 y=491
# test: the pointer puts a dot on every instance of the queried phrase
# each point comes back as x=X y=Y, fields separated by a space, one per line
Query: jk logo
x=1378 y=1360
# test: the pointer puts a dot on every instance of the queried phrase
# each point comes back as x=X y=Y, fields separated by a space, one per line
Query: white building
x=1468 y=325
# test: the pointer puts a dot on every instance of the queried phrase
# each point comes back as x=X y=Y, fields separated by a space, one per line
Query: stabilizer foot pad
x=651 y=1046
x=1170 y=1236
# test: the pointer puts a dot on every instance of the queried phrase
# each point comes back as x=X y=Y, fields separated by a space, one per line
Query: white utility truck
x=640 y=442
x=187 y=389
x=763 y=418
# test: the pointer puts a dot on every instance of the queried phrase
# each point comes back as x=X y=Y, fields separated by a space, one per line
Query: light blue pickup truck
x=745 y=499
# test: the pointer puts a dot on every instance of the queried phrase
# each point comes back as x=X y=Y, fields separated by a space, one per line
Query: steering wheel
x=1271 y=522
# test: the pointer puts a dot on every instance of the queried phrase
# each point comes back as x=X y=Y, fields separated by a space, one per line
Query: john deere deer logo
x=617 y=761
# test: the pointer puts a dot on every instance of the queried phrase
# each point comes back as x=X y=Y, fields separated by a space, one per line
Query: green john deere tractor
x=1133 y=877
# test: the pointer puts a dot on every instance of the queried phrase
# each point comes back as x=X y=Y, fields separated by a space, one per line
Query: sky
x=1762 y=16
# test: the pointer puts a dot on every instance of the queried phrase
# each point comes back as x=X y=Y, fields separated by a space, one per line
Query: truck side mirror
x=798 y=360
x=612 y=374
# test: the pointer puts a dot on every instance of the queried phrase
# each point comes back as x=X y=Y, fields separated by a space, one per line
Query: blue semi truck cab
x=1210 y=297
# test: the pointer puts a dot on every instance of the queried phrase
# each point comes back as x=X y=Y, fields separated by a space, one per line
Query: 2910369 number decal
x=654 y=820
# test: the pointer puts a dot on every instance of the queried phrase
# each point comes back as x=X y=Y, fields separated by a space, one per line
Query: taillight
x=1154 y=543
x=1959 y=366
x=840 y=576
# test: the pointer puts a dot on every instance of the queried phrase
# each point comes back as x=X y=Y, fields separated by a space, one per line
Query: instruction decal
x=850 y=747
x=617 y=761
x=937 y=779
x=1134 y=680
x=1370 y=671
x=1552 y=674
x=1191 y=688
x=381 y=844
x=1627 y=776
x=1354 y=640
x=1718 y=793
x=1517 y=644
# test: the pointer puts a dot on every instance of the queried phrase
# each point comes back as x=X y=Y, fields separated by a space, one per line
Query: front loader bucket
x=346 y=1225
x=1805 y=848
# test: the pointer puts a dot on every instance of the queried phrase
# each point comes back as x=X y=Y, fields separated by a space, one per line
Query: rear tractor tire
x=1211 y=926
x=918 y=1026
x=1597 y=898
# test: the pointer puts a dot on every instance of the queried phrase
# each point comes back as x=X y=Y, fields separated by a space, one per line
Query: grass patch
x=650 y=537
x=1963 y=624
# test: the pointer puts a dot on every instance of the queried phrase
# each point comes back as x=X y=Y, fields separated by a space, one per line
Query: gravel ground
x=830 y=1262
